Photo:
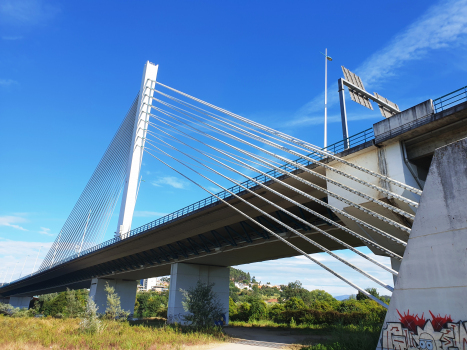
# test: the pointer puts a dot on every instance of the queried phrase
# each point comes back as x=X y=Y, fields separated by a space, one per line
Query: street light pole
x=326 y=98
x=326 y=59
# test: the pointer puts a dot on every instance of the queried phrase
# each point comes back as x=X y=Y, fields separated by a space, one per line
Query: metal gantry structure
x=214 y=149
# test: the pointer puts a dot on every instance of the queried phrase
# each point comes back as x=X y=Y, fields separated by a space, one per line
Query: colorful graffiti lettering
x=413 y=332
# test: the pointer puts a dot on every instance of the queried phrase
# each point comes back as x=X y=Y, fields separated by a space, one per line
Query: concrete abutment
x=428 y=309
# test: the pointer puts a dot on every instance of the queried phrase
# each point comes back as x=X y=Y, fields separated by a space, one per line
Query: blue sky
x=70 y=70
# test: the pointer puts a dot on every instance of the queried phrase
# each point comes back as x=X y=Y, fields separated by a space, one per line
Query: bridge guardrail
x=450 y=100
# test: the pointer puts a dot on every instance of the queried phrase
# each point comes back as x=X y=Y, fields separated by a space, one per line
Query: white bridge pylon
x=130 y=191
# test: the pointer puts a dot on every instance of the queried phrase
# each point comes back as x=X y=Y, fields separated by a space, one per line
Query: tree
x=202 y=304
x=239 y=275
x=321 y=295
x=73 y=305
x=114 y=310
x=372 y=291
x=294 y=303
x=295 y=289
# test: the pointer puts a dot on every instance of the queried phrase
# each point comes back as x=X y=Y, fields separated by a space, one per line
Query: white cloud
x=11 y=221
x=442 y=26
x=45 y=231
x=16 y=254
x=145 y=214
x=26 y=12
x=170 y=181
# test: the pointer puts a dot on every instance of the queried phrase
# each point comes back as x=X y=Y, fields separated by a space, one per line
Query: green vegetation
x=52 y=333
x=151 y=304
x=239 y=276
x=350 y=324
x=202 y=305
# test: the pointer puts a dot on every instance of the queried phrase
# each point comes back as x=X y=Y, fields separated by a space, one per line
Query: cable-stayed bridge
x=289 y=197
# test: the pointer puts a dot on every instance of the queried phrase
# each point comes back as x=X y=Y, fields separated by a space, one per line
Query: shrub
x=91 y=323
x=233 y=309
x=114 y=310
x=258 y=309
x=7 y=309
x=202 y=305
x=294 y=303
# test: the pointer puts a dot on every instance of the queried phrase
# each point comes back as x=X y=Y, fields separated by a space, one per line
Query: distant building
x=154 y=284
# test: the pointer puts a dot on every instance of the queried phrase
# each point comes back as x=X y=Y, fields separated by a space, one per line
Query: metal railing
x=450 y=100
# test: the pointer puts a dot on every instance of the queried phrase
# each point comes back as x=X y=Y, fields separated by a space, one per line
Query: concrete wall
x=126 y=290
x=428 y=309
x=184 y=276
x=398 y=120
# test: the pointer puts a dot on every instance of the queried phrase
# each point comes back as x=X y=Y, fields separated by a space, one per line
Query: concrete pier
x=21 y=302
x=184 y=276
x=126 y=290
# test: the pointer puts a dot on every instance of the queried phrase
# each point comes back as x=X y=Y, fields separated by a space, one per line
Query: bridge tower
x=130 y=191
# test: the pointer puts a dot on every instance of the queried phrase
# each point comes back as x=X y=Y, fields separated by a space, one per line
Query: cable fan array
x=89 y=219
x=214 y=148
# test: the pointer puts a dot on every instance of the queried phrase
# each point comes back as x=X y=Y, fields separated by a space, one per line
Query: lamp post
x=326 y=59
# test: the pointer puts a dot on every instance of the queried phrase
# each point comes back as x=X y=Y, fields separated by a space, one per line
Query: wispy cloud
x=442 y=26
x=145 y=214
x=45 y=231
x=18 y=254
x=12 y=221
x=26 y=12
x=12 y=37
x=8 y=82
x=171 y=181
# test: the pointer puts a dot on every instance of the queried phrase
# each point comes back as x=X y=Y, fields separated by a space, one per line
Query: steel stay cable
x=324 y=249
x=98 y=176
x=273 y=233
x=368 y=211
x=110 y=162
x=292 y=215
x=89 y=192
x=338 y=184
x=332 y=194
x=326 y=219
x=390 y=194
x=397 y=240
x=297 y=141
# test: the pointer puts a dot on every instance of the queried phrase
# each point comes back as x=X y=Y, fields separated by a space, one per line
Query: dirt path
x=264 y=338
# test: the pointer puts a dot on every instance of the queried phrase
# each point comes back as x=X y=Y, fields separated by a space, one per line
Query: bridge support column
x=21 y=302
x=428 y=308
x=184 y=276
x=126 y=290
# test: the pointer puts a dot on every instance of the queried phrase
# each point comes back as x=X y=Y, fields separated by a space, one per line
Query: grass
x=50 y=333
x=350 y=337
x=340 y=337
